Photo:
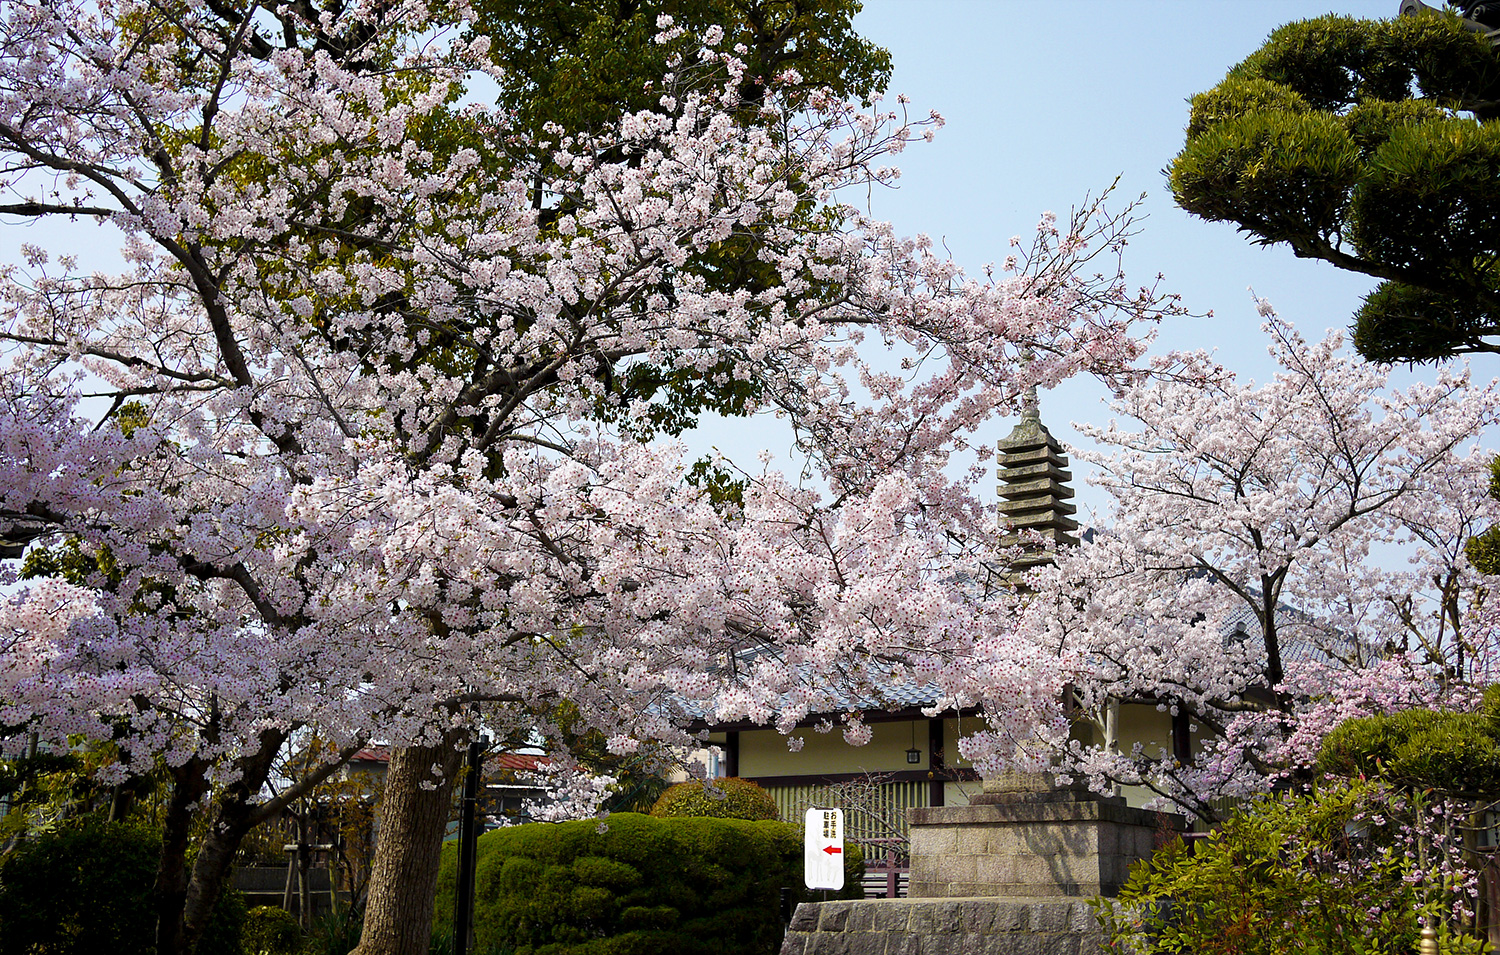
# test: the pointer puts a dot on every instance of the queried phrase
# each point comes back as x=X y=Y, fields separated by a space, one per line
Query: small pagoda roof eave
x=1034 y=487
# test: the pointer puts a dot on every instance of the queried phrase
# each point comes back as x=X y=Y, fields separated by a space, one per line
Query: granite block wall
x=1031 y=843
x=944 y=927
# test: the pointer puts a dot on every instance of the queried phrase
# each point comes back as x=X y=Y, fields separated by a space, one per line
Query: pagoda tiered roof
x=1035 y=486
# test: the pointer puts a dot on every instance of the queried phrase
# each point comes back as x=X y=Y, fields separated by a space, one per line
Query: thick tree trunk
x=188 y=786
x=185 y=899
x=403 y=881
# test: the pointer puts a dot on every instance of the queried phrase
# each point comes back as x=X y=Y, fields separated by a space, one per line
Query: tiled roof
x=520 y=762
x=906 y=695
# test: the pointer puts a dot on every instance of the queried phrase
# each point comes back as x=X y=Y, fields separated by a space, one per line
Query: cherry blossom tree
x=1240 y=580
x=348 y=423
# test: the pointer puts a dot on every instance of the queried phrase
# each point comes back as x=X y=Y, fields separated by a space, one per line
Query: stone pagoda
x=1034 y=489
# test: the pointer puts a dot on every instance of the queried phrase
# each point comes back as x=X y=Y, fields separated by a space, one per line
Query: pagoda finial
x=1031 y=406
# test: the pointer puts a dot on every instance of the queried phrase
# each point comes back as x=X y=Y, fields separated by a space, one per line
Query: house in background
x=911 y=759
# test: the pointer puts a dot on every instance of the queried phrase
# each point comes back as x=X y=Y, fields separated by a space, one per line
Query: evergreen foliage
x=1353 y=867
x=1483 y=550
x=271 y=930
x=636 y=886
x=1452 y=752
x=730 y=798
x=576 y=66
x=85 y=888
x=639 y=776
x=579 y=64
x=1323 y=874
x=1369 y=144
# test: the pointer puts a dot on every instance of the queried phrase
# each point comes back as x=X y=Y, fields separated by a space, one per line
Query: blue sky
x=1049 y=99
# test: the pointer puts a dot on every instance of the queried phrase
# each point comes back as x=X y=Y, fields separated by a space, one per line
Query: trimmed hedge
x=1453 y=752
x=730 y=798
x=642 y=886
x=86 y=888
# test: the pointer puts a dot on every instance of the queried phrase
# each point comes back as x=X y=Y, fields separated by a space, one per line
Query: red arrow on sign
x=832 y=850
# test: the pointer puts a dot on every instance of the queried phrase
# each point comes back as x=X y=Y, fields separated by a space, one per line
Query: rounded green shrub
x=730 y=798
x=86 y=888
x=1454 y=752
x=271 y=930
x=638 y=885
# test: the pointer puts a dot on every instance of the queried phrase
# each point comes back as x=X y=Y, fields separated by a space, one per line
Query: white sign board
x=823 y=849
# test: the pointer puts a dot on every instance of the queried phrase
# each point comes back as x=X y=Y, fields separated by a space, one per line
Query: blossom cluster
x=365 y=422
x=1240 y=587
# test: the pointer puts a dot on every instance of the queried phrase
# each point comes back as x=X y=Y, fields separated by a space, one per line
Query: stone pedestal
x=1003 y=875
x=1025 y=836
x=944 y=927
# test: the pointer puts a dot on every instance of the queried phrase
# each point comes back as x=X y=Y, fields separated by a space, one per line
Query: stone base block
x=1032 y=842
x=951 y=926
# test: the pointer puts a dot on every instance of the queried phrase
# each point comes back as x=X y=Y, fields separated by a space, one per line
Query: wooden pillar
x=936 y=763
x=732 y=753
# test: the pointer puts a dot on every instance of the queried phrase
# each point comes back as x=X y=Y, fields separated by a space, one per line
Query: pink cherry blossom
x=349 y=420
x=1237 y=582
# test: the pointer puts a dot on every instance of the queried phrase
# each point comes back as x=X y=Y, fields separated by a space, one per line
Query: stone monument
x=1011 y=872
x=1027 y=835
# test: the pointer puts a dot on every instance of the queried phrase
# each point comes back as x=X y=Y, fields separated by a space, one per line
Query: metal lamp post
x=468 y=844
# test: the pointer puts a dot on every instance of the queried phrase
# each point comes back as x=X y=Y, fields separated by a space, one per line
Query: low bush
x=336 y=932
x=85 y=888
x=1329 y=873
x=636 y=886
x=1451 y=751
x=271 y=930
x=730 y=798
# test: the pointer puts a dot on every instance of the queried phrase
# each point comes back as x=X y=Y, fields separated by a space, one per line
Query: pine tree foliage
x=1369 y=144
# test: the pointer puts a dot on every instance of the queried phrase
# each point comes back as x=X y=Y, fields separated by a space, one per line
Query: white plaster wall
x=765 y=753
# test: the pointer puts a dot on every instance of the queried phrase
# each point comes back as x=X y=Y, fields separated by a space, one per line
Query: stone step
x=983 y=926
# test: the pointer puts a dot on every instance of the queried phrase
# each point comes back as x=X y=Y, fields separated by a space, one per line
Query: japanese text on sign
x=823 y=848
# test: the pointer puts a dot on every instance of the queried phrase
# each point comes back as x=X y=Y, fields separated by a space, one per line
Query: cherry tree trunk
x=403 y=880
x=172 y=872
x=187 y=895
